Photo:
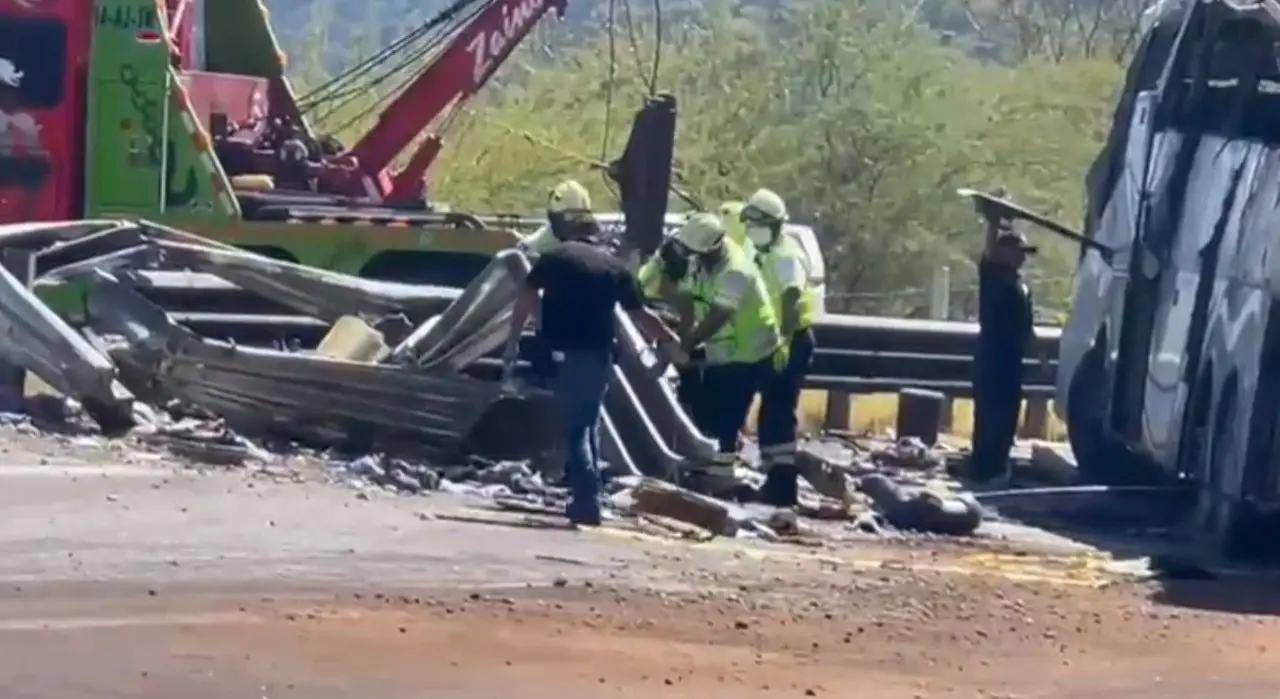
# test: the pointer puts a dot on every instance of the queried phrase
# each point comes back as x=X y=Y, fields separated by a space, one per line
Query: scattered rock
x=921 y=509
x=655 y=497
x=910 y=453
x=824 y=476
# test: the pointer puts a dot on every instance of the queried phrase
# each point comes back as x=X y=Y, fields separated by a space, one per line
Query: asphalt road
x=122 y=576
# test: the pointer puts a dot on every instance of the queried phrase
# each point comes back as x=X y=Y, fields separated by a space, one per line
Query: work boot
x=584 y=514
x=781 y=487
x=717 y=484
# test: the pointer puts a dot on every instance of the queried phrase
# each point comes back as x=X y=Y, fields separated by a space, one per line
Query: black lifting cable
x=324 y=92
x=610 y=78
x=339 y=101
x=417 y=60
x=657 y=47
x=349 y=90
x=383 y=55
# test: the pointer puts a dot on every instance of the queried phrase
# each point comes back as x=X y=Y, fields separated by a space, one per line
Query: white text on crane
x=489 y=45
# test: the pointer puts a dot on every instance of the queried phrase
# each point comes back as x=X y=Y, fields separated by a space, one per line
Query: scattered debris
x=910 y=453
x=356 y=392
x=922 y=509
x=1051 y=464
x=824 y=476
x=655 y=497
x=392 y=383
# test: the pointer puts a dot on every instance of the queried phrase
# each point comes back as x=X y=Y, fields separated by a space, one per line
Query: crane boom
x=461 y=69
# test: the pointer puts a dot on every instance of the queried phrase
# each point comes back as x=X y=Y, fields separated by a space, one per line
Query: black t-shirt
x=1005 y=317
x=580 y=285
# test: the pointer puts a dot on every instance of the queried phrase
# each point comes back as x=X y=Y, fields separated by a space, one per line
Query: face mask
x=760 y=236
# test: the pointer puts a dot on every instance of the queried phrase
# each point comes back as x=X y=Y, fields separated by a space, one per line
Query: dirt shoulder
x=885 y=634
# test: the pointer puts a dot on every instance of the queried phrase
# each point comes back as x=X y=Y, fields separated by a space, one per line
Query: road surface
x=122 y=577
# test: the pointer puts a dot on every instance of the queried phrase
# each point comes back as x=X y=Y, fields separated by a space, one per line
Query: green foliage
x=854 y=111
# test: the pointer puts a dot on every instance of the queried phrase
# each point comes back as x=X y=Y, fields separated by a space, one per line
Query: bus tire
x=1193 y=437
x=1100 y=458
x=1240 y=530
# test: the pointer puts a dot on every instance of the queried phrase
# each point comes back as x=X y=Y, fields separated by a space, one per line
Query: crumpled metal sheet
x=475 y=324
x=39 y=341
x=419 y=395
x=315 y=292
x=661 y=435
x=307 y=396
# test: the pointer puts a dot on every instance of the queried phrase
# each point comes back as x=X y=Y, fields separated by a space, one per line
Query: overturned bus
x=1170 y=364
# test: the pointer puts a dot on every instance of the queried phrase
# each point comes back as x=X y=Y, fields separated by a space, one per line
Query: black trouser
x=689 y=384
x=721 y=410
x=780 y=399
x=997 y=405
x=778 y=424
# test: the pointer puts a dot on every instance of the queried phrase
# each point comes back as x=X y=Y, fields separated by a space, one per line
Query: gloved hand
x=676 y=353
x=781 y=359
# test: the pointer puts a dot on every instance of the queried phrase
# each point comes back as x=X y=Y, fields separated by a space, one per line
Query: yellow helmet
x=703 y=232
x=765 y=204
x=569 y=197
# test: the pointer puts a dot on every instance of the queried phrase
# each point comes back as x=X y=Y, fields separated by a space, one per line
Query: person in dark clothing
x=580 y=285
x=1006 y=328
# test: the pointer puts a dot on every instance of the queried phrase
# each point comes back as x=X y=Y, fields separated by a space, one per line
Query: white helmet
x=702 y=233
x=569 y=197
x=765 y=204
x=764 y=213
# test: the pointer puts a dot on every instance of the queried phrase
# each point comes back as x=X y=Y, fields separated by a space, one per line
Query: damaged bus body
x=1170 y=365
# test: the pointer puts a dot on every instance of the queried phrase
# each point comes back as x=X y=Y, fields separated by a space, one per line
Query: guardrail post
x=1036 y=424
x=940 y=309
x=839 y=409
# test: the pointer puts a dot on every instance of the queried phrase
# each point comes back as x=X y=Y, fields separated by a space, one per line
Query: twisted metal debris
x=355 y=391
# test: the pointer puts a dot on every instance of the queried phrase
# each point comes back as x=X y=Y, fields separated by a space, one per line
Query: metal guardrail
x=855 y=348
x=859 y=355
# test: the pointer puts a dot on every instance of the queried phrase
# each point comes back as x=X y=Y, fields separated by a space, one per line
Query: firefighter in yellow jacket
x=733 y=322
x=783 y=267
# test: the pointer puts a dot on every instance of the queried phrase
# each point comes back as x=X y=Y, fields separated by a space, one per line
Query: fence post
x=940 y=309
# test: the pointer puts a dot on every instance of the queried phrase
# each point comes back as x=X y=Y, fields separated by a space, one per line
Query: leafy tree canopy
x=865 y=116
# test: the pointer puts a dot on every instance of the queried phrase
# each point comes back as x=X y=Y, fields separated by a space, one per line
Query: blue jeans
x=579 y=386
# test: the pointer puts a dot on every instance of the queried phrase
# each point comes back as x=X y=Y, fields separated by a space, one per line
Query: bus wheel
x=1240 y=530
x=1100 y=459
x=1193 y=440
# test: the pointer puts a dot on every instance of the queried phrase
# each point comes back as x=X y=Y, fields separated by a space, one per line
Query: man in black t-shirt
x=580 y=285
x=1006 y=329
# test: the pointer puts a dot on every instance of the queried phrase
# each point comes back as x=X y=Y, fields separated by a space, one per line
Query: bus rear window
x=33 y=63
